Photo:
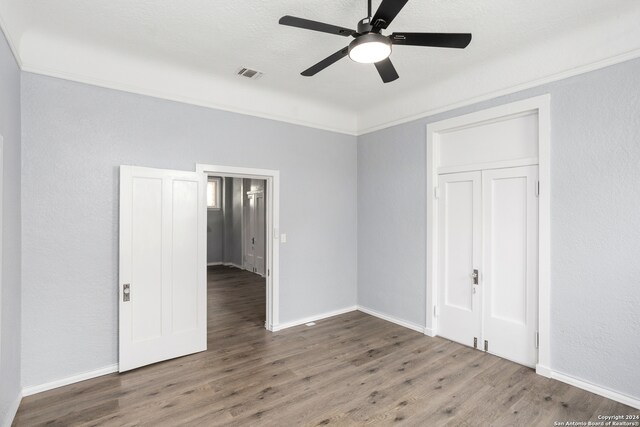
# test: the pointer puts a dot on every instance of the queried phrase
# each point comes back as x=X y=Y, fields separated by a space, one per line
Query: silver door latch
x=475 y=277
x=126 y=292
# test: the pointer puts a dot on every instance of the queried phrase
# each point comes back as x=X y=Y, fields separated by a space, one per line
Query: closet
x=485 y=235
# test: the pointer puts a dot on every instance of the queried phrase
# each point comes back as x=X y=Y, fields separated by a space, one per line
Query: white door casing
x=510 y=267
x=163 y=260
x=485 y=153
x=272 y=227
x=459 y=249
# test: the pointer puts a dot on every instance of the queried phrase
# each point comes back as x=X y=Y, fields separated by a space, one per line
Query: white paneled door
x=488 y=261
x=510 y=274
x=255 y=232
x=258 y=214
x=459 y=252
x=163 y=307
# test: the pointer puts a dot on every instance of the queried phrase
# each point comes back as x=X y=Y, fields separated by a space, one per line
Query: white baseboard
x=11 y=412
x=545 y=371
x=232 y=264
x=392 y=319
x=430 y=332
x=585 y=385
x=226 y=264
x=317 y=317
x=28 y=391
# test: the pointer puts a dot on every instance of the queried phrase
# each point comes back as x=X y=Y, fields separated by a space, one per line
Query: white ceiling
x=189 y=50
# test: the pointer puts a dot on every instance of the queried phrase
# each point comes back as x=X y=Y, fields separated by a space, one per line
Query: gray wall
x=215 y=234
x=595 y=220
x=74 y=138
x=10 y=297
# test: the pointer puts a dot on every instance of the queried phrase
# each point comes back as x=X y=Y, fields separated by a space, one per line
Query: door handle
x=474 y=276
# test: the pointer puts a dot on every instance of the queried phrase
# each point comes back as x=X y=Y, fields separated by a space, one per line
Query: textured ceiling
x=181 y=45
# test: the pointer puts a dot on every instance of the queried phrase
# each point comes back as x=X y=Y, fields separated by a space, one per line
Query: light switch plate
x=283 y=238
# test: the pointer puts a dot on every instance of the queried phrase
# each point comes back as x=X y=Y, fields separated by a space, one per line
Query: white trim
x=12 y=410
x=489 y=165
x=12 y=45
x=314 y=318
x=617 y=59
x=392 y=319
x=601 y=391
x=232 y=264
x=541 y=104
x=211 y=264
x=31 y=390
x=272 y=228
x=545 y=371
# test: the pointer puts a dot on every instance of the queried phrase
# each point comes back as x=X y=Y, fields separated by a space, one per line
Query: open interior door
x=163 y=288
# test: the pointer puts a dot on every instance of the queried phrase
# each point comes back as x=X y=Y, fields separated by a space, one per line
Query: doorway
x=265 y=260
x=236 y=223
x=488 y=231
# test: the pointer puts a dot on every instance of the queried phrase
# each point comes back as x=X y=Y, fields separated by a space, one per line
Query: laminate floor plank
x=352 y=369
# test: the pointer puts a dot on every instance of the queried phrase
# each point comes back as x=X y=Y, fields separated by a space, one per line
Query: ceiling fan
x=370 y=46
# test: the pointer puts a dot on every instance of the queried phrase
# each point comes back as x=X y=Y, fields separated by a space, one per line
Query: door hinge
x=268 y=272
x=475 y=342
x=474 y=276
x=537 y=188
x=486 y=345
x=537 y=339
x=436 y=192
x=126 y=292
x=436 y=312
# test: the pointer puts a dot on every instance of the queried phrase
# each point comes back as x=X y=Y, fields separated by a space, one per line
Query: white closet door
x=259 y=227
x=255 y=233
x=459 y=250
x=163 y=289
x=510 y=285
x=249 y=224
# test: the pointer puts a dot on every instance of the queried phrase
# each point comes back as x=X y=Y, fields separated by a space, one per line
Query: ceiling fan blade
x=307 y=24
x=387 y=12
x=386 y=70
x=326 y=62
x=456 y=40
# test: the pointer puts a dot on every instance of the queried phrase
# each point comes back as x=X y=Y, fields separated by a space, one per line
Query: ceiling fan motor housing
x=364 y=26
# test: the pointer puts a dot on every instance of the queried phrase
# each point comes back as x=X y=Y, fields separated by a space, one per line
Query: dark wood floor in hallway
x=351 y=369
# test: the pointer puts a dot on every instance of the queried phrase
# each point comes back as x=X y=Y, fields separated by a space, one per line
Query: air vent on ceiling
x=249 y=73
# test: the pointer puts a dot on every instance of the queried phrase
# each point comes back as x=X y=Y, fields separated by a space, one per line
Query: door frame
x=272 y=227
x=541 y=106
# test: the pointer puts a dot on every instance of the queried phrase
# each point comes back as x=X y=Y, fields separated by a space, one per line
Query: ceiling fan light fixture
x=370 y=48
